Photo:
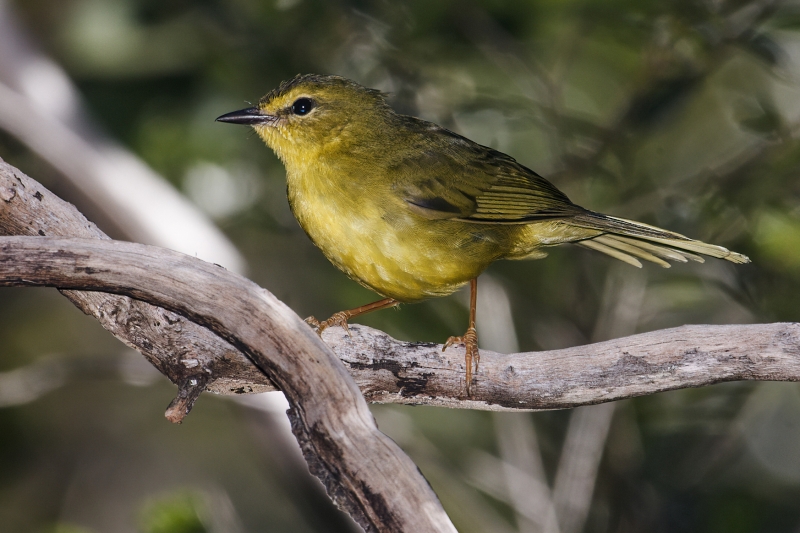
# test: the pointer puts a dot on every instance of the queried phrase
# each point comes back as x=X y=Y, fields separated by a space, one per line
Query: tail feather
x=662 y=251
x=632 y=249
x=626 y=240
x=608 y=250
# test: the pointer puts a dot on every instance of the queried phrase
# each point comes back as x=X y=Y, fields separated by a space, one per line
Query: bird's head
x=312 y=113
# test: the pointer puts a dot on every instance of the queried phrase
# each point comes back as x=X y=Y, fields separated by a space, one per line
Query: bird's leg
x=470 y=338
x=341 y=318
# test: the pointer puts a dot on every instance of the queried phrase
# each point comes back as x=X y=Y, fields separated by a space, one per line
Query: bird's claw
x=337 y=319
x=314 y=323
x=471 y=353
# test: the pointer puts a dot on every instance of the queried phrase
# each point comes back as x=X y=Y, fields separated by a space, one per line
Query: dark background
x=683 y=114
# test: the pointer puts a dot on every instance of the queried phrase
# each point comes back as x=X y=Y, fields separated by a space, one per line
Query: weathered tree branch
x=182 y=351
x=42 y=108
x=390 y=371
x=364 y=471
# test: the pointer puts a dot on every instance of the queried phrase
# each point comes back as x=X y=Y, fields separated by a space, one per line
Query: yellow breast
x=376 y=240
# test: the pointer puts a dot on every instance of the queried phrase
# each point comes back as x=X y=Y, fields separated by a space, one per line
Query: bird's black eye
x=302 y=106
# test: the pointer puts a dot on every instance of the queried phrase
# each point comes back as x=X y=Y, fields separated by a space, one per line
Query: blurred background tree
x=683 y=114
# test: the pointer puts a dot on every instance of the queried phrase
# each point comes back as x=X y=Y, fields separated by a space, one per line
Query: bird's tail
x=630 y=241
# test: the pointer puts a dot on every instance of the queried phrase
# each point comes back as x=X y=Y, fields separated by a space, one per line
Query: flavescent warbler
x=412 y=210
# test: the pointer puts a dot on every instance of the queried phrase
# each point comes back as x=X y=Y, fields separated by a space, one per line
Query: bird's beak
x=250 y=116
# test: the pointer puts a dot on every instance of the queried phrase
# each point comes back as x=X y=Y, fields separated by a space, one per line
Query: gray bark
x=237 y=338
x=364 y=471
x=391 y=371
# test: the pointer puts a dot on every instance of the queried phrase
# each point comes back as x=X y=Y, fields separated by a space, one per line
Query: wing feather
x=445 y=175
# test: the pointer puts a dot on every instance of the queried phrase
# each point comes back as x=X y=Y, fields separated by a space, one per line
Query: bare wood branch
x=386 y=370
x=364 y=471
x=41 y=106
x=391 y=371
x=179 y=349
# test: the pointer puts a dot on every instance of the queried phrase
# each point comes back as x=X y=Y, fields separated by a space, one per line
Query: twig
x=364 y=471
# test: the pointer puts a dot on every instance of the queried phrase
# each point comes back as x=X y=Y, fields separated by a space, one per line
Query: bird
x=412 y=210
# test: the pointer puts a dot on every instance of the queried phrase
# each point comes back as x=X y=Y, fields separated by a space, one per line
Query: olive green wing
x=444 y=175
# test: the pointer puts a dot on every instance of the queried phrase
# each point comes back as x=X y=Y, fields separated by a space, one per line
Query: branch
x=390 y=371
x=364 y=471
x=183 y=351
x=41 y=107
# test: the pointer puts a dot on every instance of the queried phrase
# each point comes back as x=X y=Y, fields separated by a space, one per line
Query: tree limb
x=179 y=349
x=364 y=471
x=390 y=371
x=42 y=108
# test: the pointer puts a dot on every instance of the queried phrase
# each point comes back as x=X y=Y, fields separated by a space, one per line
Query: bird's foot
x=337 y=319
x=471 y=353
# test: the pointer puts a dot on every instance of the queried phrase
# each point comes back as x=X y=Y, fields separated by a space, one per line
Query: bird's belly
x=400 y=256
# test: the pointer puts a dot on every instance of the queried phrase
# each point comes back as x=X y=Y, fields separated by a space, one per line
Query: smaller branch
x=188 y=393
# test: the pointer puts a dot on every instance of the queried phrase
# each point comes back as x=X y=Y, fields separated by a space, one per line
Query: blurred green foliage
x=177 y=513
x=682 y=114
